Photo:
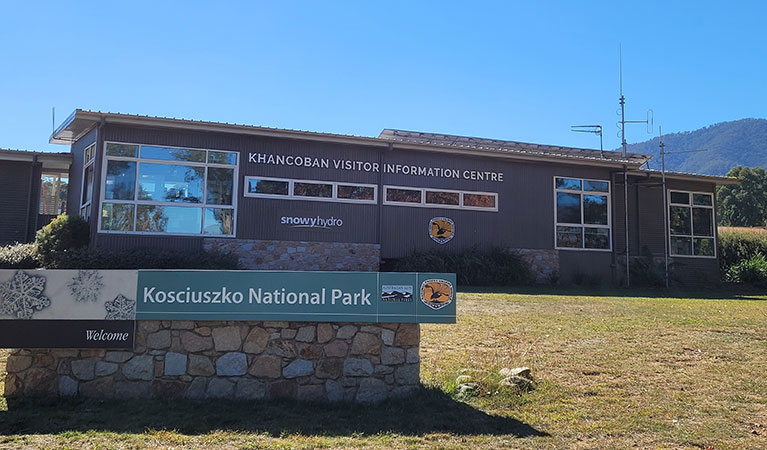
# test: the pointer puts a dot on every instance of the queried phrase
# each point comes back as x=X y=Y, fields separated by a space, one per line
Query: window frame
x=584 y=225
x=86 y=208
x=59 y=204
x=202 y=206
x=291 y=196
x=692 y=235
x=423 y=204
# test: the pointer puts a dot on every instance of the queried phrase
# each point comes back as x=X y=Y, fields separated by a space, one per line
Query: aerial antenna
x=596 y=129
x=53 y=120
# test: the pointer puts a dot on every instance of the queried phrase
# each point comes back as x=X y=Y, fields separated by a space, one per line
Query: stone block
x=298 y=368
x=283 y=389
x=337 y=348
x=306 y=334
x=231 y=365
x=392 y=356
x=100 y=388
x=408 y=334
x=193 y=342
x=383 y=370
x=266 y=366
x=175 y=364
x=283 y=349
x=372 y=390
x=133 y=389
x=227 y=339
x=407 y=374
x=12 y=386
x=169 y=388
x=346 y=332
x=357 y=367
x=41 y=382
x=42 y=360
x=105 y=368
x=181 y=324
x=309 y=351
x=310 y=393
x=67 y=386
x=219 y=388
x=413 y=356
x=256 y=341
x=145 y=327
x=366 y=344
x=324 y=333
x=334 y=392
x=387 y=336
x=403 y=391
x=329 y=368
x=18 y=363
x=196 y=389
x=84 y=369
x=140 y=367
x=200 y=365
x=203 y=331
x=288 y=333
x=160 y=339
x=247 y=389
x=118 y=357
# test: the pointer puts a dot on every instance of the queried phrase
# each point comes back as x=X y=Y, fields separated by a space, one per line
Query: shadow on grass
x=429 y=411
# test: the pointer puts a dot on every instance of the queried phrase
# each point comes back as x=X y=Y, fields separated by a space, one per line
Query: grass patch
x=614 y=369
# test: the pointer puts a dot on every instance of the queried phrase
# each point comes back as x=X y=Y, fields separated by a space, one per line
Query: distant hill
x=740 y=142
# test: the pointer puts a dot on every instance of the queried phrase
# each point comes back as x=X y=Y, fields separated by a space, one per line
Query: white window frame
x=584 y=225
x=423 y=204
x=86 y=207
x=136 y=202
x=692 y=235
x=291 y=196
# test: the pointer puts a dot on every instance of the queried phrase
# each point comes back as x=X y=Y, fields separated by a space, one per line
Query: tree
x=743 y=204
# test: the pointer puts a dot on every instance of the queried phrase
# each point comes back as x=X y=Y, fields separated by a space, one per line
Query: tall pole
x=665 y=200
x=625 y=170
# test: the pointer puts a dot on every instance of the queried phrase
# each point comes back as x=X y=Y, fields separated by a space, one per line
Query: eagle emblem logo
x=436 y=293
x=441 y=229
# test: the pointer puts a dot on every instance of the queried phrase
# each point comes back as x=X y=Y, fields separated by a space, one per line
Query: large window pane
x=403 y=195
x=88 y=191
x=219 y=221
x=479 y=200
x=570 y=237
x=679 y=220
x=168 y=219
x=568 y=208
x=680 y=197
x=170 y=183
x=220 y=186
x=681 y=245
x=702 y=222
x=596 y=186
x=312 y=190
x=703 y=246
x=270 y=187
x=443 y=198
x=117 y=217
x=702 y=199
x=172 y=154
x=569 y=184
x=596 y=238
x=120 y=183
x=53 y=194
x=595 y=209
x=222 y=158
x=125 y=150
x=352 y=192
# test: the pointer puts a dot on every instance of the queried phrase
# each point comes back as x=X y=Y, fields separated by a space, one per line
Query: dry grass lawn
x=613 y=372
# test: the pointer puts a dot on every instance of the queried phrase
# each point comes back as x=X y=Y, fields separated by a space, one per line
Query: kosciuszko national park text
x=258 y=296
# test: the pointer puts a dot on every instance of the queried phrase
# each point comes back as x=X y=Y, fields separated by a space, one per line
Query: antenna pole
x=53 y=120
x=622 y=101
x=665 y=199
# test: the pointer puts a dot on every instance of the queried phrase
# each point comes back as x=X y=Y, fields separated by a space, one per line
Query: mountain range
x=725 y=145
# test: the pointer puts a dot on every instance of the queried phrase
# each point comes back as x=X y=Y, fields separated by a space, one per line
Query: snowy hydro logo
x=311 y=222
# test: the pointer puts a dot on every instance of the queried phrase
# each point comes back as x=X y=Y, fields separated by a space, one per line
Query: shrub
x=736 y=245
x=19 y=256
x=752 y=270
x=62 y=234
x=494 y=266
x=140 y=258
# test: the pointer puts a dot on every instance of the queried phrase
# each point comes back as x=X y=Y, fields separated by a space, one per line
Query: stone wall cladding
x=365 y=363
x=299 y=255
x=544 y=264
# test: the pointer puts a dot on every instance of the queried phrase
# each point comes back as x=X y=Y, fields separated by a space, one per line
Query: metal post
x=666 y=243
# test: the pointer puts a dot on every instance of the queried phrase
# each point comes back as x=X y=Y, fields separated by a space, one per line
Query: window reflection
x=219 y=221
x=172 y=154
x=170 y=183
x=256 y=186
x=568 y=208
x=312 y=190
x=403 y=195
x=120 y=181
x=220 y=186
x=356 y=192
x=168 y=219
x=117 y=217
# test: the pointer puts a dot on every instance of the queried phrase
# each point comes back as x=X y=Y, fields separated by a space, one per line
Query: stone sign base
x=234 y=360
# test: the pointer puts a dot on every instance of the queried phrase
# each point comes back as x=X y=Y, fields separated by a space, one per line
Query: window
x=691 y=224
x=439 y=198
x=89 y=156
x=153 y=189
x=53 y=193
x=582 y=214
x=310 y=190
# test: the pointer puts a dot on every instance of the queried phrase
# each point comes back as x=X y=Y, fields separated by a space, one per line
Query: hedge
x=740 y=244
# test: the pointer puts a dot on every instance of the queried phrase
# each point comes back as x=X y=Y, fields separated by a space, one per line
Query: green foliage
x=494 y=266
x=744 y=204
x=19 y=256
x=752 y=270
x=740 y=245
x=140 y=258
x=62 y=234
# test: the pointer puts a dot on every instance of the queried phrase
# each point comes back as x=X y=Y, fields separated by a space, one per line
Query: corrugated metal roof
x=688 y=175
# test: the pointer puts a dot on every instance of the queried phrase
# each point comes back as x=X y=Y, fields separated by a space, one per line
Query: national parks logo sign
x=436 y=293
x=441 y=229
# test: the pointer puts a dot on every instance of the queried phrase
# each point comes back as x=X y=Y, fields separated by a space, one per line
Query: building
x=287 y=199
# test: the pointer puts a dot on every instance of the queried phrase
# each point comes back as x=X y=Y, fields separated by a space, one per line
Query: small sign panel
x=441 y=229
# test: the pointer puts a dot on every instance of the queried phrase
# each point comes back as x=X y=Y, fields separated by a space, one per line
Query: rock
x=64 y=353
x=64 y=367
x=346 y=332
x=461 y=379
x=309 y=351
x=382 y=370
x=41 y=382
x=140 y=367
x=181 y=325
x=194 y=343
x=283 y=349
x=407 y=374
x=357 y=367
x=324 y=332
x=522 y=383
x=169 y=388
x=310 y=393
x=84 y=369
x=246 y=389
x=334 y=391
x=288 y=333
x=283 y=389
x=329 y=368
x=403 y=391
x=413 y=356
x=196 y=389
x=219 y=388
x=372 y=390
x=266 y=366
x=100 y=388
x=298 y=368
x=231 y=364
x=160 y=339
x=371 y=329
x=18 y=363
x=336 y=348
x=305 y=334
x=392 y=356
x=105 y=368
x=276 y=324
x=256 y=340
x=466 y=389
x=13 y=385
x=387 y=336
x=147 y=326
x=118 y=357
x=408 y=334
x=92 y=353
x=175 y=364
x=227 y=339
x=42 y=360
x=523 y=372
x=200 y=365
x=366 y=344
x=67 y=386
x=203 y=331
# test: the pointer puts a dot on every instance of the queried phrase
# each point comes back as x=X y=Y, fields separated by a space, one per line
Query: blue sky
x=518 y=71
